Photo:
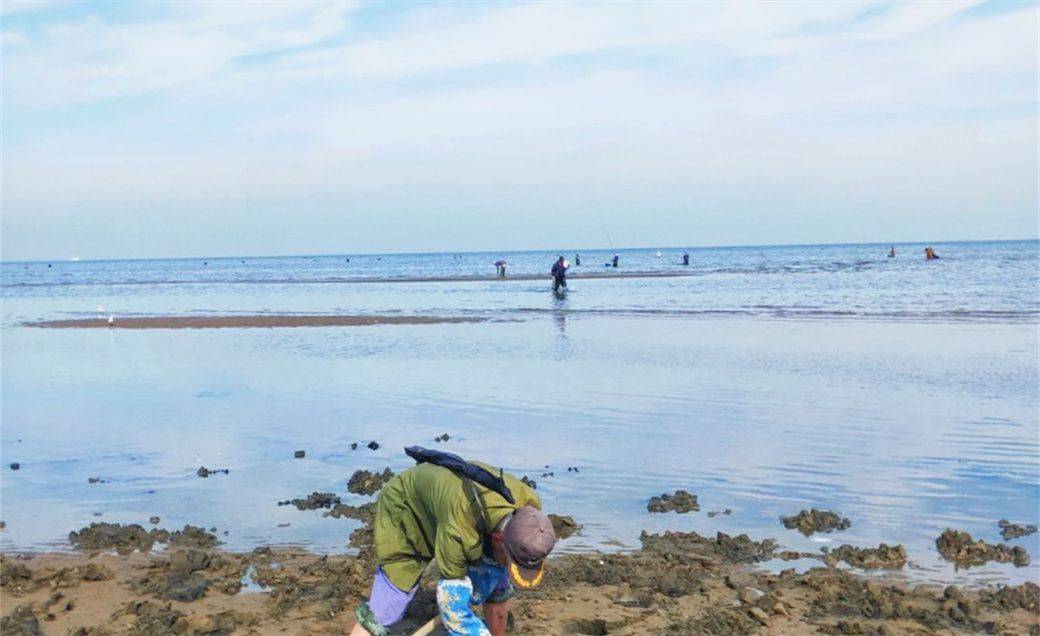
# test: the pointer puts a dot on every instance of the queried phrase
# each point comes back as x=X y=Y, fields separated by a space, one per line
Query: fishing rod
x=604 y=226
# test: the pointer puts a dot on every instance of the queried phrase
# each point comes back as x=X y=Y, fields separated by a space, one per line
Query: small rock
x=738 y=581
x=960 y=548
x=881 y=557
x=95 y=480
x=153 y=520
x=184 y=588
x=373 y=445
x=1011 y=531
x=189 y=560
x=563 y=525
x=530 y=482
x=15 y=466
x=759 y=615
x=314 y=501
x=21 y=621
x=353 y=446
x=206 y=472
x=364 y=482
x=681 y=502
x=810 y=521
x=299 y=454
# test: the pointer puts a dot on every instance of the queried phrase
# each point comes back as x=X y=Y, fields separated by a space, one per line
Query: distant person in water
x=892 y=252
x=559 y=274
x=686 y=258
x=613 y=261
x=929 y=254
x=577 y=260
x=500 y=267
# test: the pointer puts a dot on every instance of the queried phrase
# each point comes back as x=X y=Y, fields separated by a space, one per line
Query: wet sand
x=255 y=321
x=677 y=583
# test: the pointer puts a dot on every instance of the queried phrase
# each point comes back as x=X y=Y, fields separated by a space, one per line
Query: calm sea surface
x=898 y=392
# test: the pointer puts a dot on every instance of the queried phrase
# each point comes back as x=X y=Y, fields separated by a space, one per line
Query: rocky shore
x=125 y=579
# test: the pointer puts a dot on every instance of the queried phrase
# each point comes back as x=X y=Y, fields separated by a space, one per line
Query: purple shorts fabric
x=388 y=603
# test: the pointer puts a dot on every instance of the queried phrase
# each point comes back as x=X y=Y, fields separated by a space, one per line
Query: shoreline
x=676 y=583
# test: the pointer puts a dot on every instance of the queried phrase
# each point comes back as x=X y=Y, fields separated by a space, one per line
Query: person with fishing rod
x=484 y=529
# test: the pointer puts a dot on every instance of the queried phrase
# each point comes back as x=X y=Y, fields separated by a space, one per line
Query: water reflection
x=886 y=423
x=559 y=314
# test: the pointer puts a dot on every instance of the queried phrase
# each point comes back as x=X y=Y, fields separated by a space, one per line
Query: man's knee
x=386 y=605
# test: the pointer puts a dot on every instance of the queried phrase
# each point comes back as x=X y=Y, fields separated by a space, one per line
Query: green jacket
x=426 y=513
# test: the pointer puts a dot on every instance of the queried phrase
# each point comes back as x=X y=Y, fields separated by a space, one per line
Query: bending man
x=483 y=545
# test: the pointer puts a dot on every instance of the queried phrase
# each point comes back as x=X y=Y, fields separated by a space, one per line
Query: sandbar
x=249 y=321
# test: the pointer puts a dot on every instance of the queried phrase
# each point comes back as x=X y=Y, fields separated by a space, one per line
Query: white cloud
x=86 y=60
x=21 y=7
x=537 y=33
x=10 y=38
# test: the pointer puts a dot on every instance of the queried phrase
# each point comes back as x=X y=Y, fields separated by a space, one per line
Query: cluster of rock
x=809 y=521
x=1011 y=531
x=681 y=501
x=960 y=548
x=127 y=538
x=365 y=482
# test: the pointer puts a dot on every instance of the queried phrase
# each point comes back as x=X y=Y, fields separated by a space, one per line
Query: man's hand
x=496 y=615
x=453 y=599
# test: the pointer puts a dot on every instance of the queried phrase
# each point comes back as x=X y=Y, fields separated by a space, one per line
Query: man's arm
x=496 y=615
x=454 y=600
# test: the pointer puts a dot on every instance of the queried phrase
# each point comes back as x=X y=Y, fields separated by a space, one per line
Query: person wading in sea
x=559 y=274
x=484 y=528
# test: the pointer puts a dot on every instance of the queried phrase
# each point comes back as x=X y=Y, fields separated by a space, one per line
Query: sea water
x=899 y=392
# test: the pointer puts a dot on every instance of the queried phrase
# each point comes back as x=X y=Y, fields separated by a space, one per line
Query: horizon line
x=74 y=259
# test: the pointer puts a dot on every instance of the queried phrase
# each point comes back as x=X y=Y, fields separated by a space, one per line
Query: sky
x=136 y=130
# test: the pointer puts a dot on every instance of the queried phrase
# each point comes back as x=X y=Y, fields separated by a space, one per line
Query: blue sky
x=183 y=129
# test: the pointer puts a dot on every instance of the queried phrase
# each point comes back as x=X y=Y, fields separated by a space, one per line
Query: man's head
x=523 y=544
